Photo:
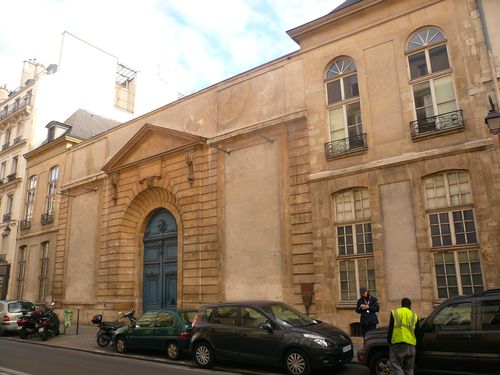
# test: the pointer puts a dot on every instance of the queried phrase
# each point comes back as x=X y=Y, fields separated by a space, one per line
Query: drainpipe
x=491 y=59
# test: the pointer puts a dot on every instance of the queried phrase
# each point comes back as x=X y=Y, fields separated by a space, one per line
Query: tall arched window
x=431 y=82
x=51 y=190
x=30 y=198
x=344 y=110
x=354 y=242
x=453 y=235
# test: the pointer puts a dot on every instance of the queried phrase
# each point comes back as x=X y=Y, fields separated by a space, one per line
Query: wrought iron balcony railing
x=345 y=146
x=5 y=146
x=11 y=176
x=15 y=106
x=47 y=218
x=437 y=124
x=17 y=140
x=7 y=217
x=25 y=224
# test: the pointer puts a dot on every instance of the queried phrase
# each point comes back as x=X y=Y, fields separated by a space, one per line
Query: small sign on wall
x=306 y=290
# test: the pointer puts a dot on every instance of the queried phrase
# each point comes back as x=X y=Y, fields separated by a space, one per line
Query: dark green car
x=168 y=331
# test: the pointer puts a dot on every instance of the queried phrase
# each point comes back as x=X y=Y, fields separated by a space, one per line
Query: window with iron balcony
x=344 y=110
x=431 y=81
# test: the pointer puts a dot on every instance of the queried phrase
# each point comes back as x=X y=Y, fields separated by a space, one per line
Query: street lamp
x=493 y=119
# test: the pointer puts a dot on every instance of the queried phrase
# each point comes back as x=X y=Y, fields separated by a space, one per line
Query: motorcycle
x=107 y=329
x=28 y=324
x=47 y=322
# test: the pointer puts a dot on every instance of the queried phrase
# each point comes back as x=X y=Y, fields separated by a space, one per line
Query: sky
x=187 y=44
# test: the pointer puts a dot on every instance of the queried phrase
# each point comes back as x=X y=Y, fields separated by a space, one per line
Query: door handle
x=464 y=337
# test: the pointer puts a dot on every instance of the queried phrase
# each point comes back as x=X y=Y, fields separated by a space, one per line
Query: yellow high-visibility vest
x=405 y=322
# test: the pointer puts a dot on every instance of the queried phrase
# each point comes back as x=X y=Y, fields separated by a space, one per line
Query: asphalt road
x=19 y=358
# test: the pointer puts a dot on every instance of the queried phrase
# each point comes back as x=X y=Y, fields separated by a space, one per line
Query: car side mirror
x=266 y=327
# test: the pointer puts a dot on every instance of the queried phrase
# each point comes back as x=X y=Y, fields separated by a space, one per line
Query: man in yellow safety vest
x=401 y=338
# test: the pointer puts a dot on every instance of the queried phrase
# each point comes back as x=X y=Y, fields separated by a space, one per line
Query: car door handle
x=464 y=337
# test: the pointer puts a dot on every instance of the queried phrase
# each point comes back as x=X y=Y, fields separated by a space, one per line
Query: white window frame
x=29 y=205
x=458 y=274
x=356 y=257
x=343 y=103
x=50 y=199
x=430 y=76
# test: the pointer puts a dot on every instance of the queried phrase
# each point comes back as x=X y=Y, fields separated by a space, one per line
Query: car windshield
x=19 y=306
x=188 y=316
x=288 y=316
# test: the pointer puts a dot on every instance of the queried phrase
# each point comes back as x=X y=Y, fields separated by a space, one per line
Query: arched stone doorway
x=160 y=262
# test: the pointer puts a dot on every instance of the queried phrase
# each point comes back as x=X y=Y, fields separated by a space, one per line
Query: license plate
x=40 y=329
x=345 y=349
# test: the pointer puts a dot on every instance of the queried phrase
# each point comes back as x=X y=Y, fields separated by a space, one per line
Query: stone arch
x=133 y=224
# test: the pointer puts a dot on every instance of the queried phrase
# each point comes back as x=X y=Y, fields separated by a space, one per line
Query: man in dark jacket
x=367 y=306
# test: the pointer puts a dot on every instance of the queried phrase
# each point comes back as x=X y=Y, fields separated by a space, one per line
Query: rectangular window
x=30 y=198
x=13 y=168
x=21 y=271
x=440 y=229
x=354 y=274
x=438 y=57
x=462 y=232
x=334 y=92
x=337 y=123
x=445 y=95
x=458 y=272
x=8 y=206
x=351 y=88
x=44 y=264
x=418 y=66
x=3 y=168
x=423 y=100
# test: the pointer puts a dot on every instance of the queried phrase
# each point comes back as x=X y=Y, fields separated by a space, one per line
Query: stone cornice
x=403 y=159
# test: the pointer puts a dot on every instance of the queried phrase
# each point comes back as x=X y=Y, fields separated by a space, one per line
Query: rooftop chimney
x=4 y=93
x=32 y=69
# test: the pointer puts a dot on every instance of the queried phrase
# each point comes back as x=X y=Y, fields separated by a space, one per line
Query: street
x=20 y=358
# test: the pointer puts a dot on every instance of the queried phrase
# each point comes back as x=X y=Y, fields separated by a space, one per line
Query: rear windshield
x=15 y=307
x=288 y=316
x=188 y=316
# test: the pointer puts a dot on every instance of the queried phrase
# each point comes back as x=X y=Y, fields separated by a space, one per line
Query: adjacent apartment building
x=84 y=77
x=360 y=160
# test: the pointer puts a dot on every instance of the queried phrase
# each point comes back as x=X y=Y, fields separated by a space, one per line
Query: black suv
x=267 y=332
x=461 y=336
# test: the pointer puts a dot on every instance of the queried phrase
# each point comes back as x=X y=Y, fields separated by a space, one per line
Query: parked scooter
x=107 y=329
x=47 y=322
x=28 y=323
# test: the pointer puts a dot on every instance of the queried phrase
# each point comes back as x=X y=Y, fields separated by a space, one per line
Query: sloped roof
x=345 y=4
x=85 y=124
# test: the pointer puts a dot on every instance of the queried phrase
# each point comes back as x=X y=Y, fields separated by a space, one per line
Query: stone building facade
x=362 y=159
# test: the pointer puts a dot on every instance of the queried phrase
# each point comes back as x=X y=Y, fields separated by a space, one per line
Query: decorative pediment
x=149 y=142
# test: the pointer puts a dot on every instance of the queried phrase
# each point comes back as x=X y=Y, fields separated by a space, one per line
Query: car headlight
x=321 y=341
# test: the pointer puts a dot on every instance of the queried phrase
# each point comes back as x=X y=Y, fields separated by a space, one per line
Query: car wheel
x=297 y=363
x=204 y=355
x=103 y=340
x=380 y=364
x=121 y=345
x=173 y=351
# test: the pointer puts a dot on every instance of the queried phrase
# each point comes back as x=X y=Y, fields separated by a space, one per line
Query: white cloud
x=188 y=43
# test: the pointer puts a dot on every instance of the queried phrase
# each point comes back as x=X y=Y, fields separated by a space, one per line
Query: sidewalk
x=86 y=341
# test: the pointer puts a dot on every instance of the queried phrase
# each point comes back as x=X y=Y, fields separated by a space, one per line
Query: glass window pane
x=333 y=90
x=354 y=122
x=439 y=58
x=443 y=89
x=418 y=65
x=337 y=124
x=351 y=88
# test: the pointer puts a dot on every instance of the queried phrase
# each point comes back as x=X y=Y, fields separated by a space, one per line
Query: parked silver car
x=10 y=311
